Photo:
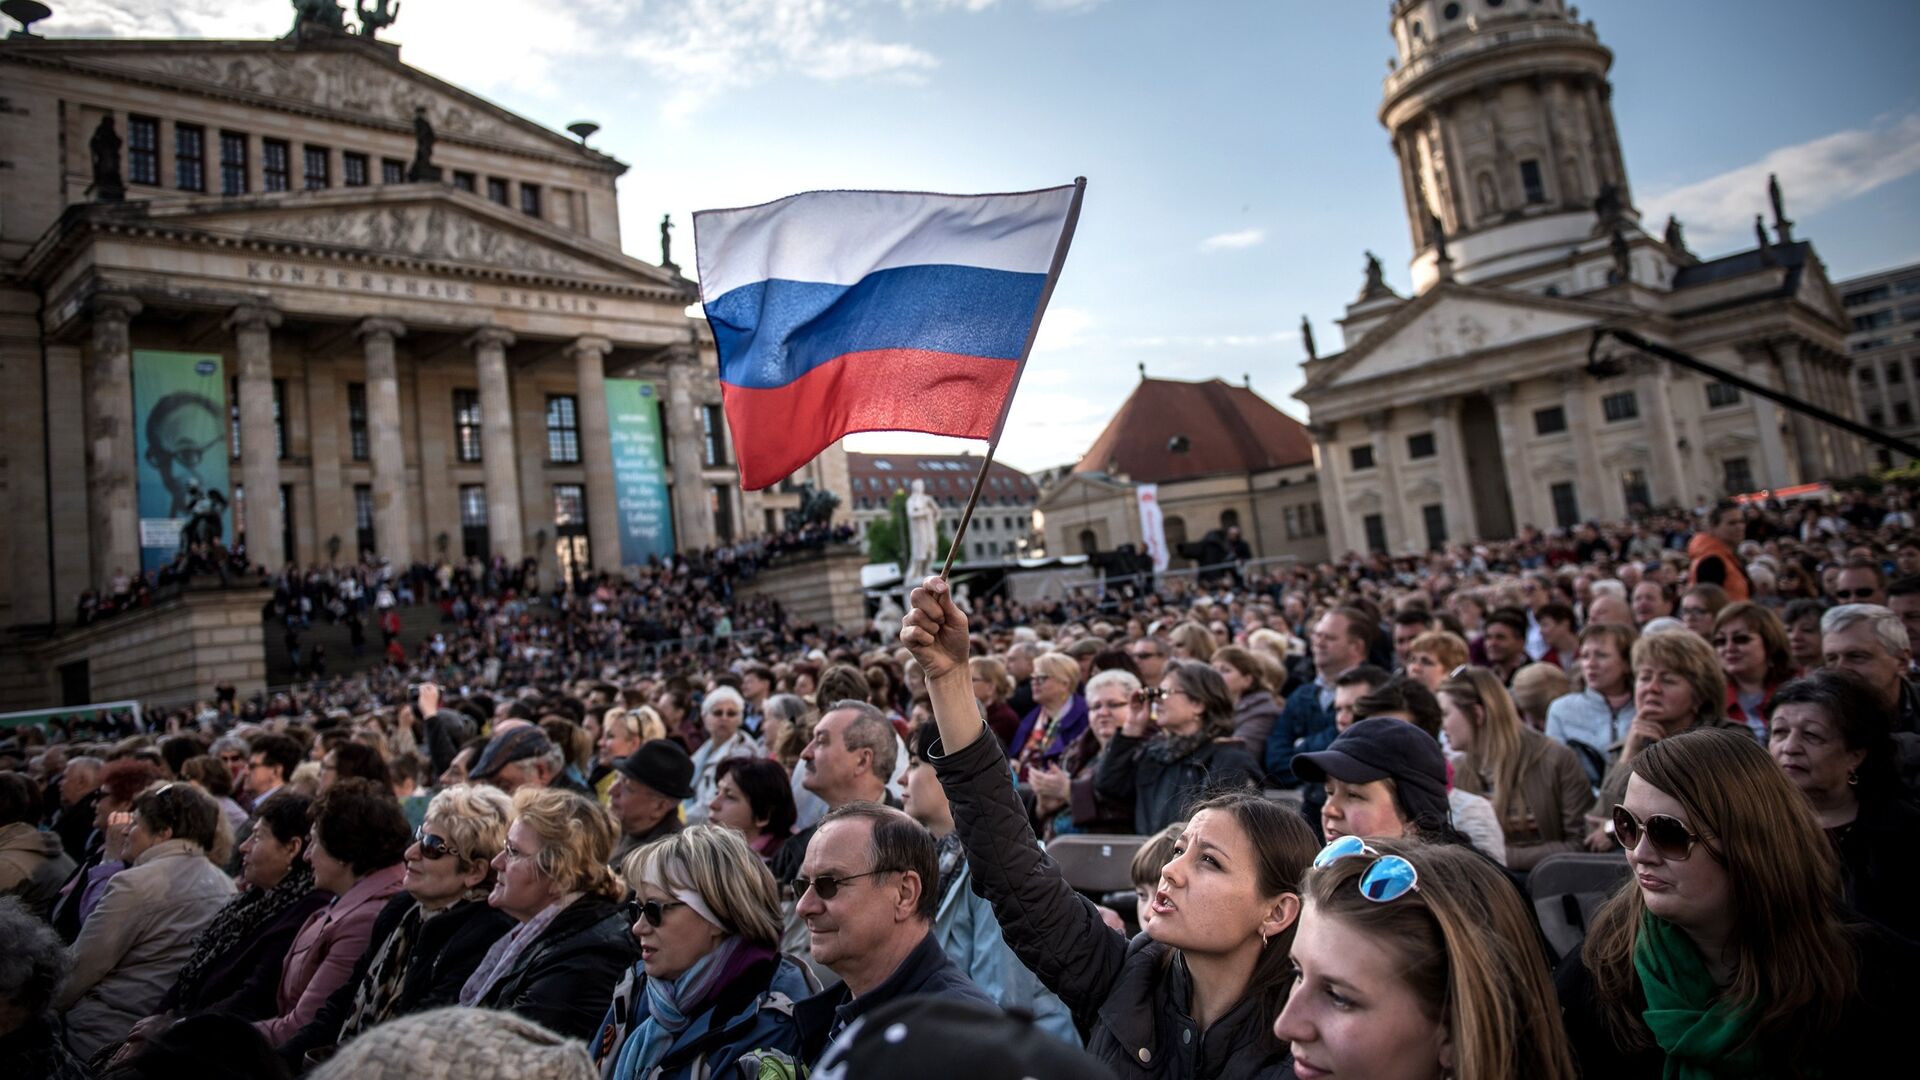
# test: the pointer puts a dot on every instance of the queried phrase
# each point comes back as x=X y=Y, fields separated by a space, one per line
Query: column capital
x=1501 y=393
x=253 y=317
x=590 y=344
x=391 y=328
x=490 y=335
x=681 y=355
x=117 y=306
x=1378 y=420
x=1443 y=407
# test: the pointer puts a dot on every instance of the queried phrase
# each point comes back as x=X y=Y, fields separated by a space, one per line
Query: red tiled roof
x=1229 y=429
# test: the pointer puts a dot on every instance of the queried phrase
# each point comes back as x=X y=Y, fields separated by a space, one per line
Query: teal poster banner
x=639 y=472
x=180 y=437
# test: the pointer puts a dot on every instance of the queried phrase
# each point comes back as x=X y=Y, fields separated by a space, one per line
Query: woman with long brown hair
x=1418 y=960
x=1537 y=787
x=1726 y=955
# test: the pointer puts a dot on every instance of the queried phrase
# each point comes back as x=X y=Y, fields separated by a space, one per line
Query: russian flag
x=843 y=311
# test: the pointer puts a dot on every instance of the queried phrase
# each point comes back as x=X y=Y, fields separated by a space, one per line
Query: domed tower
x=1501 y=118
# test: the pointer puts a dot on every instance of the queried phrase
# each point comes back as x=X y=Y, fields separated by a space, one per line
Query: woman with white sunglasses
x=1416 y=961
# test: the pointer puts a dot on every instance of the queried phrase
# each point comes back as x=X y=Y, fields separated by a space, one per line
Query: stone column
x=1458 y=502
x=1669 y=479
x=489 y=345
x=1806 y=440
x=596 y=450
x=692 y=514
x=1578 y=404
x=253 y=327
x=1392 y=505
x=1326 y=445
x=392 y=525
x=1520 y=487
x=1766 y=420
x=113 y=509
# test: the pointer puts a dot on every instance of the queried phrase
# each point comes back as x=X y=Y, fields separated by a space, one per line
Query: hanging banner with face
x=180 y=437
x=639 y=472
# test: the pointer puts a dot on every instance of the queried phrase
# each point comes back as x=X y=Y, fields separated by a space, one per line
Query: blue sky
x=1236 y=169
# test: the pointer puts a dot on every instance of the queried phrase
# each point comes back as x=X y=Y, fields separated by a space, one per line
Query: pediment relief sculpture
x=1426 y=488
x=433 y=233
x=1630 y=456
x=1365 y=501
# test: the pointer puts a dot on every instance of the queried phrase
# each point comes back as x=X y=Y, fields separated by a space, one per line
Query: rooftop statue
x=378 y=18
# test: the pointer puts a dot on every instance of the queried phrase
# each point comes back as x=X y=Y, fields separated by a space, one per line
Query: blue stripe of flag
x=770 y=333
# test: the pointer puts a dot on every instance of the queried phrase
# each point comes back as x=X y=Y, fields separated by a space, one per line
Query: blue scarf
x=671 y=1006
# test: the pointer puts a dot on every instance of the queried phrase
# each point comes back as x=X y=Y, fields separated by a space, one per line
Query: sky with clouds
x=1236 y=167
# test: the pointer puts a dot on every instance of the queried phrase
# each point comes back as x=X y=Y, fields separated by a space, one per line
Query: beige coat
x=1554 y=793
x=132 y=947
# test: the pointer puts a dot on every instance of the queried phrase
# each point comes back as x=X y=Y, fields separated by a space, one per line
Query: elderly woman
x=1677 y=686
x=358 y=837
x=429 y=937
x=236 y=960
x=754 y=799
x=1830 y=736
x=711 y=986
x=1434 y=655
x=119 y=782
x=35 y=962
x=558 y=966
x=132 y=947
x=780 y=716
x=1059 y=715
x=1065 y=799
x=991 y=688
x=1752 y=643
x=1193 y=752
x=722 y=713
x=1249 y=683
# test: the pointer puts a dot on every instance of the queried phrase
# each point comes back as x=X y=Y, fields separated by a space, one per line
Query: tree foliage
x=887 y=536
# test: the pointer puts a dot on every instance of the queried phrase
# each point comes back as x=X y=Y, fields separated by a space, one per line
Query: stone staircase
x=418 y=622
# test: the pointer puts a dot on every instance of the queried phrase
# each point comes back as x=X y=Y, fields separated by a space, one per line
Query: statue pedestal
x=425 y=174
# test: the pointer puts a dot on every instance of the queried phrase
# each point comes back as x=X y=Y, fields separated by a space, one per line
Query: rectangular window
x=1621 y=406
x=1876 y=418
x=530 y=199
x=1530 y=179
x=497 y=190
x=1895 y=374
x=353 y=169
x=1633 y=485
x=189 y=157
x=1435 y=517
x=363 y=517
x=474 y=541
x=563 y=430
x=1420 y=446
x=1865 y=374
x=286 y=521
x=233 y=163
x=143 y=150
x=1550 y=421
x=1566 y=508
x=275 y=165
x=393 y=171
x=1376 y=529
x=466 y=425
x=1720 y=395
x=317 y=162
x=1360 y=457
x=569 y=509
x=722 y=498
x=1902 y=414
x=464 y=181
x=713 y=435
x=1737 y=475
x=233 y=413
x=1873 y=320
x=1866 y=296
x=1292 y=519
x=357 y=420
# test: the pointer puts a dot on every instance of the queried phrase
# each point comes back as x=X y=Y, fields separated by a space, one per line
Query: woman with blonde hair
x=1725 y=955
x=991 y=688
x=1535 y=688
x=1433 y=656
x=1418 y=960
x=710 y=994
x=1537 y=787
x=1059 y=715
x=1192 y=641
x=558 y=966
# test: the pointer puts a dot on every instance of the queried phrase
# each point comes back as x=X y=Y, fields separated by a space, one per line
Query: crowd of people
x=770 y=850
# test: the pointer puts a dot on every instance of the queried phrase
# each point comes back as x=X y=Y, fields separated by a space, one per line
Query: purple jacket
x=1073 y=724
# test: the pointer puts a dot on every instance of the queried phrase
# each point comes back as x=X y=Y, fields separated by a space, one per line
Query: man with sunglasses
x=868 y=891
x=1860 y=581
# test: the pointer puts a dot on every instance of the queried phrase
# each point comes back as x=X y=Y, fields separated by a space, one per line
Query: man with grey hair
x=33 y=964
x=1870 y=641
x=79 y=791
x=849 y=760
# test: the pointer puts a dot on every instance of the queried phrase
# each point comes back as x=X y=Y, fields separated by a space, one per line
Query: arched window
x=1089 y=543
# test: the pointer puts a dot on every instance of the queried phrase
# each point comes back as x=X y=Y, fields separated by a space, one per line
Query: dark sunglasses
x=431 y=846
x=1723 y=640
x=1853 y=594
x=654 y=911
x=1669 y=835
x=826 y=887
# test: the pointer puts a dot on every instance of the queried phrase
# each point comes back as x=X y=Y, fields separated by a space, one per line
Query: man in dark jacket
x=1340 y=641
x=868 y=890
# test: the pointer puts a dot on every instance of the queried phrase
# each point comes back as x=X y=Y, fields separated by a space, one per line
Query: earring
x=1853 y=777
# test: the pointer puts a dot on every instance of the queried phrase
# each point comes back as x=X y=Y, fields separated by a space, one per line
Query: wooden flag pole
x=1000 y=425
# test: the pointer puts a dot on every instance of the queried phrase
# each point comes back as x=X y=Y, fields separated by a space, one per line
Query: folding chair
x=1568 y=888
x=1096 y=863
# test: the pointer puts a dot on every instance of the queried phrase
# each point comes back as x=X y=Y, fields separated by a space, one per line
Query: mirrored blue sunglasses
x=1389 y=878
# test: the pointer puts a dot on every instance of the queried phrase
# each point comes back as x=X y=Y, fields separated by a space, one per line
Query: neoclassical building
x=1465 y=411
x=416 y=300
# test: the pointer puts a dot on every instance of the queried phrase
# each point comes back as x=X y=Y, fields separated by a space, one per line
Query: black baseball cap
x=1382 y=748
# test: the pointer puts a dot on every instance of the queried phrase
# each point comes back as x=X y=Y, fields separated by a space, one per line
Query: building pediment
x=1447 y=323
x=427 y=222
x=1076 y=489
x=345 y=78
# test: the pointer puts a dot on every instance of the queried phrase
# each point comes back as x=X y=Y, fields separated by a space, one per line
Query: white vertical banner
x=1153 y=527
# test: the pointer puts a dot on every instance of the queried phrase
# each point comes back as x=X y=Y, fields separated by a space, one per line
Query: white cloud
x=1813 y=176
x=1234 y=241
x=1211 y=341
x=1063 y=328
